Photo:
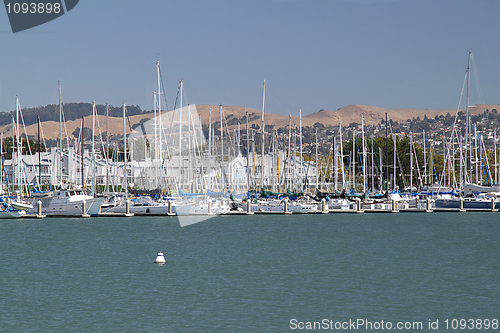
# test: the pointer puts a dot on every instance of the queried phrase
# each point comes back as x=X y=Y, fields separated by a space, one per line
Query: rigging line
x=467 y=179
x=185 y=95
x=203 y=173
x=45 y=146
x=43 y=137
x=361 y=161
x=232 y=140
x=163 y=86
x=448 y=157
x=478 y=84
x=279 y=102
x=397 y=156
x=28 y=142
x=231 y=146
x=416 y=164
x=306 y=180
x=453 y=132
x=5 y=174
x=102 y=142
x=128 y=119
x=177 y=96
x=487 y=171
x=331 y=155
x=172 y=134
x=65 y=129
x=27 y=185
x=78 y=138
x=431 y=157
x=454 y=127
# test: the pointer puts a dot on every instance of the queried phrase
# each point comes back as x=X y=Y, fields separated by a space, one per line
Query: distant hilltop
x=233 y=114
x=347 y=115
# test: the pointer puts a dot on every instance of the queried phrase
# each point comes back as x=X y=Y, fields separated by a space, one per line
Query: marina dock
x=312 y=212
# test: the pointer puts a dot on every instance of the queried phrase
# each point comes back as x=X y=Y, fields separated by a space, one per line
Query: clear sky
x=313 y=54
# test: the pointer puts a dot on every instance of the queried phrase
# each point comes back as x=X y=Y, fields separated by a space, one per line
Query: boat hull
x=21 y=206
x=467 y=204
x=12 y=214
x=68 y=208
x=155 y=209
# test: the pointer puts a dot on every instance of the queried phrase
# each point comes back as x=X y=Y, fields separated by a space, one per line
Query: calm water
x=247 y=274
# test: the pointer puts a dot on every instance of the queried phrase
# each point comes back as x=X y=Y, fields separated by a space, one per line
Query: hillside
x=235 y=114
x=50 y=129
x=347 y=115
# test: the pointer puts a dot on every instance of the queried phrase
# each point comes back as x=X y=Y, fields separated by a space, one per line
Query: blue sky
x=313 y=54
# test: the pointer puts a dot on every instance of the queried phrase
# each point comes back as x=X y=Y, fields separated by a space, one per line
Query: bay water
x=261 y=273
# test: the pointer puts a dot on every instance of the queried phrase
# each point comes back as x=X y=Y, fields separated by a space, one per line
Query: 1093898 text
x=33 y=8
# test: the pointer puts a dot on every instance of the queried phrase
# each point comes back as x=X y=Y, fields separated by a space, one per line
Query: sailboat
x=64 y=202
x=11 y=209
x=146 y=205
x=475 y=195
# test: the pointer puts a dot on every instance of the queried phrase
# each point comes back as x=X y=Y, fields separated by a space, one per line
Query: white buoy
x=160 y=259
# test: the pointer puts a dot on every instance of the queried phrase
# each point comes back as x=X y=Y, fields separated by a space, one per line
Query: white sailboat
x=146 y=205
x=64 y=202
x=10 y=209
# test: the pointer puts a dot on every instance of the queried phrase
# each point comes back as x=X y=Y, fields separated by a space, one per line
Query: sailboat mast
x=444 y=158
x=272 y=151
x=221 y=140
x=425 y=157
x=210 y=131
x=18 y=143
x=81 y=153
x=301 y=168
x=189 y=150
x=335 y=166
x=1 y=161
x=210 y=144
x=316 y=158
x=60 y=135
x=289 y=150
x=476 y=160
x=467 y=125
x=342 y=156
x=107 y=147
x=394 y=161
x=381 y=181
x=155 y=124
x=125 y=153
x=353 y=160
x=386 y=155
x=263 y=137
x=294 y=171
x=159 y=114
x=411 y=162
x=372 y=167
x=93 y=149
x=462 y=169
x=278 y=161
x=254 y=182
x=39 y=155
x=495 y=153
x=364 y=152
x=248 y=152
x=180 y=137
x=157 y=142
